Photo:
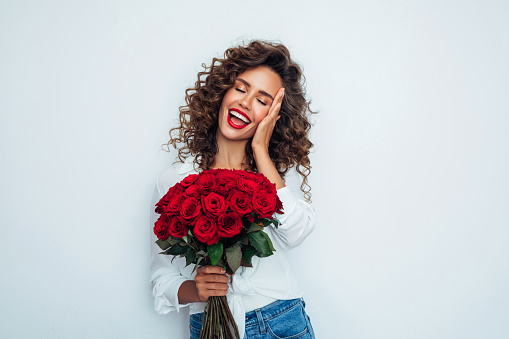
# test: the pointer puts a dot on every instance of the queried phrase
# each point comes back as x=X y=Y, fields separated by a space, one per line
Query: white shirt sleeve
x=298 y=220
x=165 y=276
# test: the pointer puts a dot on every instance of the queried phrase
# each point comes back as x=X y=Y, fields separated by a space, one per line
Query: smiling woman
x=289 y=144
x=248 y=112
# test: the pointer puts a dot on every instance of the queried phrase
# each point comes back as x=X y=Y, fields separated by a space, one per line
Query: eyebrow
x=249 y=85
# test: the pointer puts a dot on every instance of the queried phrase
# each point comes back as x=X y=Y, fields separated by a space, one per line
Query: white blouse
x=250 y=288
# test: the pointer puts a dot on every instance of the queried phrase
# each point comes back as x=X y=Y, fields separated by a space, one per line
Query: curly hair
x=289 y=144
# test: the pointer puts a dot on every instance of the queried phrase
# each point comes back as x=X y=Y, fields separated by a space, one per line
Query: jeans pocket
x=195 y=322
x=289 y=324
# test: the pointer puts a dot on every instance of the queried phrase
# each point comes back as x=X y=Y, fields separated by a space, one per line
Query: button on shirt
x=250 y=288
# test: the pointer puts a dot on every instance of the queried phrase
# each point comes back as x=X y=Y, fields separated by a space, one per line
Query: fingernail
x=223 y=270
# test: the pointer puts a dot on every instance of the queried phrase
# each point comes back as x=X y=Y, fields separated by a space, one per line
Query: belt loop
x=260 y=321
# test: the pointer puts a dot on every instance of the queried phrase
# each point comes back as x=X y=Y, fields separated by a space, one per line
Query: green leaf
x=254 y=227
x=275 y=222
x=190 y=256
x=244 y=263
x=259 y=242
x=177 y=250
x=162 y=244
x=215 y=252
x=186 y=240
x=244 y=240
x=226 y=267
x=247 y=254
x=271 y=246
x=173 y=241
x=197 y=264
x=233 y=256
x=263 y=221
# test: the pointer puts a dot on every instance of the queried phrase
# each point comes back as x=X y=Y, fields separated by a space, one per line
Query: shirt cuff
x=166 y=295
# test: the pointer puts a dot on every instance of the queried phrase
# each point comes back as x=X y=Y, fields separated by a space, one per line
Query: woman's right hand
x=211 y=281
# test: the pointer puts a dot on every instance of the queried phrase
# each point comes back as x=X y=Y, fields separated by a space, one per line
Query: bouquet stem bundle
x=218 y=320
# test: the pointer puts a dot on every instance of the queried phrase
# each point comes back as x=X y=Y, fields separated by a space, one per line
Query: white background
x=409 y=174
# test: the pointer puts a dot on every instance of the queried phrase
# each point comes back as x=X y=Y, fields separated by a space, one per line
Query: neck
x=230 y=154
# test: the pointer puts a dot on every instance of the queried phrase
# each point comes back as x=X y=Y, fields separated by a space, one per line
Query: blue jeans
x=280 y=319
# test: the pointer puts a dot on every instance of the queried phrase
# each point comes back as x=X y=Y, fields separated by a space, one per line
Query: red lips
x=232 y=124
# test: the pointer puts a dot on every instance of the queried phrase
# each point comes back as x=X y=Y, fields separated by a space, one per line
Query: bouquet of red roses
x=217 y=218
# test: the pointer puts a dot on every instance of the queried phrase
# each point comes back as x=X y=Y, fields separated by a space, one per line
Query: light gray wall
x=409 y=170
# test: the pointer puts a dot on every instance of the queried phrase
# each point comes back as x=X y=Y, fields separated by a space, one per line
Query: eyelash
x=261 y=102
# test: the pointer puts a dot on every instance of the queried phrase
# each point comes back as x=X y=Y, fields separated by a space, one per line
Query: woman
x=248 y=113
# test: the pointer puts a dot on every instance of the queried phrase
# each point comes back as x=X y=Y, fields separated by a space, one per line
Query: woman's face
x=248 y=102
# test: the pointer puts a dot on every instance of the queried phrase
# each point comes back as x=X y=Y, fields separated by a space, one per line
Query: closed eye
x=261 y=102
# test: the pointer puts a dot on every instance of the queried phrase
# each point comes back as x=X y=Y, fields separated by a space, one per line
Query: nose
x=245 y=102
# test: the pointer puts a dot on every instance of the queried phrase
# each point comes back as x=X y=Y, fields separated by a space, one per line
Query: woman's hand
x=263 y=133
x=211 y=281
x=261 y=139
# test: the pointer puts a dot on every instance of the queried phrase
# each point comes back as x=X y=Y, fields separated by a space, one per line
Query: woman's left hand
x=263 y=133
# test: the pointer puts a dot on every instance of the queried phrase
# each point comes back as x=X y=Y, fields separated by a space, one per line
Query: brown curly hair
x=289 y=144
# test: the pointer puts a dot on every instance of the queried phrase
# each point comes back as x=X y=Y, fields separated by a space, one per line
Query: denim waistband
x=271 y=310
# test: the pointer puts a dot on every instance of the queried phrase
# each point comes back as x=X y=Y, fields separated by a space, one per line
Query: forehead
x=262 y=78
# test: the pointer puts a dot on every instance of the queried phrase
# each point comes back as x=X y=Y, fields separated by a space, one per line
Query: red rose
x=176 y=189
x=192 y=191
x=247 y=185
x=190 y=209
x=174 y=203
x=213 y=204
x=163 y=202
x=214 y=171
x=264 y=203
x=240 y=202
x=269 y=187
x=227 y=176
x=229 y=224
x=161 y=205
x=177 y=227
x=189 y=180
x=232 y=185
x=250 y=219
x=219 y=190
x=256 y=177
x=161 y=227
x=205 y=230
x=206 y=180
x=279 y=206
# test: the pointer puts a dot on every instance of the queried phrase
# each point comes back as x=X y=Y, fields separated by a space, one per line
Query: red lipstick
x=234 y=125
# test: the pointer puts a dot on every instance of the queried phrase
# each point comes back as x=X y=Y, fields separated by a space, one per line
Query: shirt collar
x=188 y=165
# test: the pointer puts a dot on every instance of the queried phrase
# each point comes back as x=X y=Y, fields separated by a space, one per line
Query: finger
x=204 y=287
x=212 y=270
x=215 y=278
x=273 y=112
x=211 y=293
x=207 y=289
x=277 y=100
